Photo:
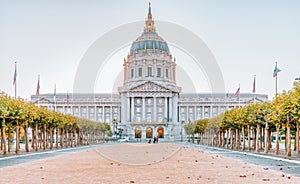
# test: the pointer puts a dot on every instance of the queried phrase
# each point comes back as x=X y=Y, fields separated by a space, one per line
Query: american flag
x=276 y=71
x=37 y=93
x=15 y=75
x=237 y=93
x=254 y=87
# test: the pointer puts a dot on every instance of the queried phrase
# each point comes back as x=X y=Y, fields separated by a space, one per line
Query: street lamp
x=116 y=127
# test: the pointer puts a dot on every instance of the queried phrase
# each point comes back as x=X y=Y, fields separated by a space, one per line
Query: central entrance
x=149 y=132
x=160 y=132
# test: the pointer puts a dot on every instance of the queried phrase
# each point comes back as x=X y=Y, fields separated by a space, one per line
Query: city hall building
x=149 y=103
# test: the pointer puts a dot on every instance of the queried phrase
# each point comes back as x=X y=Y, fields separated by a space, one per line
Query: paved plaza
x=142 y=163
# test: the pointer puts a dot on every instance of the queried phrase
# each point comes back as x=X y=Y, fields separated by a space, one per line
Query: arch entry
x=160 y=132
x=138 y=133
x=149 y=132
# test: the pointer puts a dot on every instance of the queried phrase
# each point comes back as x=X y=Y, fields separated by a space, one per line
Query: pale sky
x=49 y=38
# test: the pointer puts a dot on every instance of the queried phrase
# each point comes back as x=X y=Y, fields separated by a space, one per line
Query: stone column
x=195 y=113
x=166 y=109
x=103 y=114
x=175 y=105
x=187 y=113
x=132 y=110
x=203 y=112
x=210 y=111
x=128 y=110
x=170 y=108
x=95 y=113
x=143 y=109
x=87 y=112
x=111 y=113
x=124 y=108
x=79 y=109
x=154 y=116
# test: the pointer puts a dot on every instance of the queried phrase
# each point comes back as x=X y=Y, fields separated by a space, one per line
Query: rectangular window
x=149 y=71
x=167 y=73
x=158 y=72
x=140 y=72
x=132 y=73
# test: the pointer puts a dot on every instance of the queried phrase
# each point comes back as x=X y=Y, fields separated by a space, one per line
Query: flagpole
x=15 y=80
x=38 y=95
x=276 y=80
x=54 y=97
x=72 y=103
x=254 y=89
x=239 y=95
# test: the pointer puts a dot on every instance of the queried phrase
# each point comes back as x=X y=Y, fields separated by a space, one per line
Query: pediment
x=150 y=86
x=145 y=86
x=44 y=100
x=255 y=100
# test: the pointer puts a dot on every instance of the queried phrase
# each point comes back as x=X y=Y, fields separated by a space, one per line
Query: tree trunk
x=26 y=137
x=75 y=140
x=17 y=136
x=237 y=139
x=285 y=142
x=9 y=139
x=51 y=138
x=297 y=139
x=288 y=138
x=257 y=139
x=193 y=138
x=44 y=137
x=32 y=138
x=227 y=138
x=79 y=143
x=231 y=139
x=62 y=138
x=36 y=138
x=3 y=136
x=71 y=139
x=244 y=138
x=56 y=137
x=67 y=138
x=222 y=139
x=254 y=138
x=277 y=139
x=267 y=137
x=249 y=137
x=260 y=137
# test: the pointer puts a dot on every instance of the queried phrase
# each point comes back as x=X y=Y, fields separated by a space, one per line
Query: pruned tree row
x=255 y=126
x=39 y=128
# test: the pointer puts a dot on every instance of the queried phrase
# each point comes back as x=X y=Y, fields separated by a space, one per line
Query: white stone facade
x=149 y=103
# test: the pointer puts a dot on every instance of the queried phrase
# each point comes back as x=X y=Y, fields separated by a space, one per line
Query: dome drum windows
x=149 y=69
x=132 y=73
x=140 y=72
x=158 y=72
x=150 y=44
x=167 y=73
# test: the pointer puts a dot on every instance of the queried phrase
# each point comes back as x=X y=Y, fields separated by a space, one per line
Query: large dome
x=149 y=41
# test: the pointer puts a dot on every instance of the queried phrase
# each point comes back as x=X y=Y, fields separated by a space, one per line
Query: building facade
x=149 y=103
